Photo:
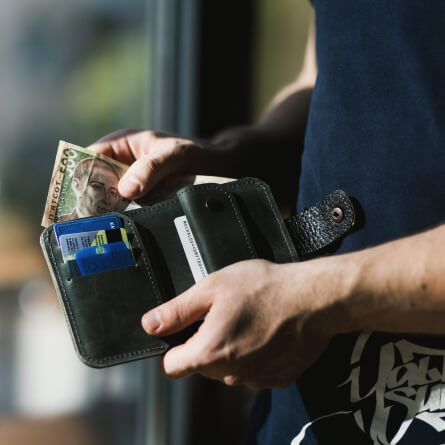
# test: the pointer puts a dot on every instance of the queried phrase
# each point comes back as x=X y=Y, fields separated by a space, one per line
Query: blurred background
x=76 y=70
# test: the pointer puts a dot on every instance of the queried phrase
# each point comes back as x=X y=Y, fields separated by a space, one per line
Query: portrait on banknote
x=83 y=184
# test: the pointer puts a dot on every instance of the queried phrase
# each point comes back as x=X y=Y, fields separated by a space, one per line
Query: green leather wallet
x=230 y=222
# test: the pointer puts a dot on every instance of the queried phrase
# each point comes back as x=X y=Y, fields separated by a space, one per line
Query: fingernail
x=151 y=321
x=129 y=186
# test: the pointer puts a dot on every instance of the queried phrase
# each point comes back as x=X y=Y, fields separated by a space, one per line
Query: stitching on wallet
x=126 y=355
x=154 y=207
x=130 y=223
x=65 y=298
x=73 y=322
x=252 y=254
x=218 y=188
x=277 y=217
x=238 y=184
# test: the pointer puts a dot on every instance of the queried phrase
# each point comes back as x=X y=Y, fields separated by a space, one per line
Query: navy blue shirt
x=376 y=129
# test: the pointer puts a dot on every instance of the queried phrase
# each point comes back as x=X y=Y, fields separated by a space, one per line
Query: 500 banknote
x=83 y=183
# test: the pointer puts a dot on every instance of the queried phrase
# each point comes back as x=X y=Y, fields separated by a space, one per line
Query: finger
x=167 y=156
x=142 y=176
x=198 y=355
x=177 y=313
x=116 y=145
x=183 y=360
x=232 y=380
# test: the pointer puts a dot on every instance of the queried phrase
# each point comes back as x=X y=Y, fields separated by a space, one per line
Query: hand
x=260 y=325
x=153 y=156
x=235 y=152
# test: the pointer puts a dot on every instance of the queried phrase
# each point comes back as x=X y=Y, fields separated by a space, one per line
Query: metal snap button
x=337 y=214
x=214 y=205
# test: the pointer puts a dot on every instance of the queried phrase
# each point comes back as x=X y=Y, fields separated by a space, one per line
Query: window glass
x=73 y=70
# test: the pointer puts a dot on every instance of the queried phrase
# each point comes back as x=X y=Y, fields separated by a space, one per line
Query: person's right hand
x=153 y=156
x=235 y=152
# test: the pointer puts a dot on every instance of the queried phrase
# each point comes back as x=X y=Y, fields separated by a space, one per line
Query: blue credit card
x=105 y=222
x=101 y=258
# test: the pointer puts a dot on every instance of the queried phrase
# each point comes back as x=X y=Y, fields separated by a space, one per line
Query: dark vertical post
x=198 y=82
x=225 y=64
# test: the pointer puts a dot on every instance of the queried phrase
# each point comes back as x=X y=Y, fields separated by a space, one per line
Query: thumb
x=177 y=314
x=168 y=156
x=142 y=176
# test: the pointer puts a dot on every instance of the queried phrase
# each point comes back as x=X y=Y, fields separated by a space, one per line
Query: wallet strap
x=321 y=226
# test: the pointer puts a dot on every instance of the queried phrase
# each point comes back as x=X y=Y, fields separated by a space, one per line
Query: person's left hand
x=260 y=325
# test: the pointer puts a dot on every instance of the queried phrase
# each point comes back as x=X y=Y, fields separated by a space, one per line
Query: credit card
x=110 y=236
x=98 y=259
x=95 y=223
x=71 y=243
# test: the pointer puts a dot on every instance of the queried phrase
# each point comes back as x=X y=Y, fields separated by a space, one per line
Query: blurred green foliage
x=281 y=34
x=106 y=92
x=102 y=87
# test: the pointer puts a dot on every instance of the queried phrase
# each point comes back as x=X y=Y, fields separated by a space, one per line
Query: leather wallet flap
x=322 y=226
x=217 y=224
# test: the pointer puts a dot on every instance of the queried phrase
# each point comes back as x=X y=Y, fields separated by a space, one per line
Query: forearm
x=278 y=136
x=279 y=131
x=269 y=149
x=396 y=287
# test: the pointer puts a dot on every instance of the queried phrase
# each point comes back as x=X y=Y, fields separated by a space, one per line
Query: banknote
x=84 y=184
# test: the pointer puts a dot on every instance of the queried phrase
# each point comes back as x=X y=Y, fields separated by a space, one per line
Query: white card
x=71 y=243
x=190 y=247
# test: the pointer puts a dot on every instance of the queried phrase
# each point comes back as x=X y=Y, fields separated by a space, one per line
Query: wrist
x=243 y=148
x=366 y=302
x=322 y=290
x=349 y=305
x=226 y=154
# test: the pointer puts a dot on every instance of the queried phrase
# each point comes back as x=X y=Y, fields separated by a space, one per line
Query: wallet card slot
x=159 y=235
x=141 y=250
x=104 y=309
x=105 y=314
x=217 y=225
x=99 y=276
